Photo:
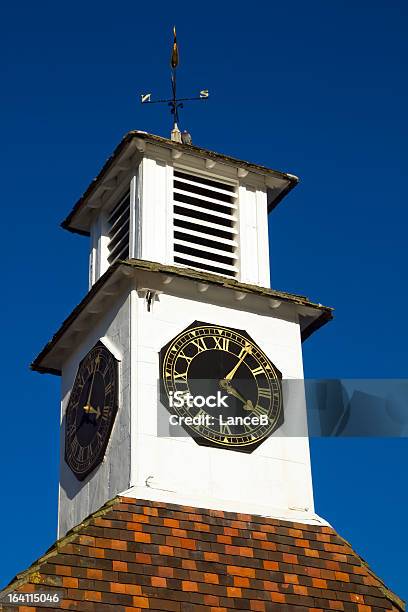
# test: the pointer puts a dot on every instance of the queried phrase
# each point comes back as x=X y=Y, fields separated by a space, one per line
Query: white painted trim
x=103 y=243
x=134 y=217
x=197 y=208
x=230 y=230
x=91 y=264
x=139 y=210
x=238 y=232
x=111 y=346
x=264 y=278
x=133 y=380
x=218 y=175
x=214 y=238
x=111 y=198
x=230 y=194
x=203 y=198
x=207 y=262
x=169 y=213
x=93 y=247
x=207 y=249
x=152 y=491
x=62 y=456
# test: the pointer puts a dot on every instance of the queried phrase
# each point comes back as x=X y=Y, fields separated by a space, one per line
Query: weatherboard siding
x=275 y=479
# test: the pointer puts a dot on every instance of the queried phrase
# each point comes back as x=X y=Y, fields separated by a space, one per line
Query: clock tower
x=180 y=306
x=185 y=480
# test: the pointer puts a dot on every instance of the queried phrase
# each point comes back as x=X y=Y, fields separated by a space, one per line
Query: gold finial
x=175 y=51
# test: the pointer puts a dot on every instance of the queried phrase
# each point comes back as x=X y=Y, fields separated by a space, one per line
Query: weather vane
x=175 y=103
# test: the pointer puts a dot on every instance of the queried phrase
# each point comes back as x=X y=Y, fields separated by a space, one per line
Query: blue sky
x=316 y=89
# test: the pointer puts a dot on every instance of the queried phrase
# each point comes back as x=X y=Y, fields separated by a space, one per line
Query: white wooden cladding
x=205 y=223
x=119 y=226
x=183 y=216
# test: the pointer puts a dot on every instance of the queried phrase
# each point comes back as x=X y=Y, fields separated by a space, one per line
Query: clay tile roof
x=135 y=554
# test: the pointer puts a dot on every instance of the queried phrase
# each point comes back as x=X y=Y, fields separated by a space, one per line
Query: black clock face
x=91 y=411
x=240 y=385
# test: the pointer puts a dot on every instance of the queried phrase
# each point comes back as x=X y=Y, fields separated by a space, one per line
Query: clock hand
x=90 y=410
x=247 y=351
x=92 y=381
x=226 y=385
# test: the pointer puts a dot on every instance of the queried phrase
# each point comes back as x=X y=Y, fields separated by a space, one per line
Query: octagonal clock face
x=221 y=386
x=91 y=411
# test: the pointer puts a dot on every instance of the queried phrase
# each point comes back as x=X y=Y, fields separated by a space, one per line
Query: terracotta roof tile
x=135 y=554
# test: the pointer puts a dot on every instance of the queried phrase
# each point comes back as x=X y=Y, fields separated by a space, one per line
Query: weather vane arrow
x=175 y=103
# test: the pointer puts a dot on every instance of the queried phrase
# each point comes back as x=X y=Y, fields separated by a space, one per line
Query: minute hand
x=226 y=385
x=88 y=403
x=247 y=351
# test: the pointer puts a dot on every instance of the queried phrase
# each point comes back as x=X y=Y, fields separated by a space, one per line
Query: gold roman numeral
x=82 y=455
x=81 y=380
x=225 y=429
x=73 y=448
x=259 y=411
x=180 y=375
x=71 y=430
x=184 y=397
x=222 y=343
x=246 y=350
x=182 y=355
x=200 y=344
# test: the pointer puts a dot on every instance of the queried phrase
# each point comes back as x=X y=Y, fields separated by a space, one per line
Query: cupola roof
x=136 y=143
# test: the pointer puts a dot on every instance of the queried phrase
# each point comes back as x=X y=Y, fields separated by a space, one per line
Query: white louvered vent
x=119 y=224
x=205 y=233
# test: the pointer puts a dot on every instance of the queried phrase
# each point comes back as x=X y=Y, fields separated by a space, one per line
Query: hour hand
x=226 y=385
x=90 y=410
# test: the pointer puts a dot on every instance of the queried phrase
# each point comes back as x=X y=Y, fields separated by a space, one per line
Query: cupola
x=178 y=204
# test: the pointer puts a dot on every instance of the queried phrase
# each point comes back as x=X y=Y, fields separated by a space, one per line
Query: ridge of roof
x=190 y=273
x=382 y=586
x=136 y=554
x=66 y=223
x=32 y=571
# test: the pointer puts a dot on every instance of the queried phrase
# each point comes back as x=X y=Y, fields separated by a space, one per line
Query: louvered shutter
x=119 y=225
x=205 y=223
